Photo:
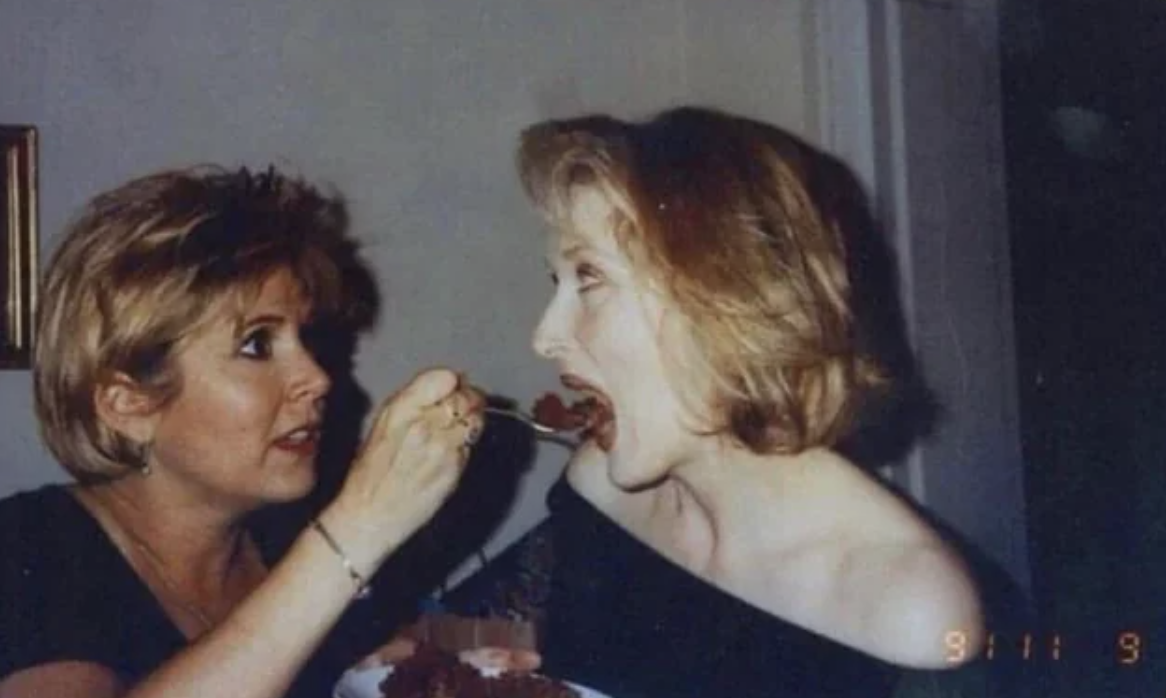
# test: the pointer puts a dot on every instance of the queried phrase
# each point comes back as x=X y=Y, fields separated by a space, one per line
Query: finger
x=465 y=403
x=424 y=390
x=466 y=400
x=472 y=403
x=397 y=650
x=475 y=399
x=451 y=411
x=462 y=412
x=473 y=432
x=525 y=660
x=468 y=429
x=394 y=652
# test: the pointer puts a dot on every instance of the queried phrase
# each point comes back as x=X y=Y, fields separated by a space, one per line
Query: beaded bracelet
x=362 y=586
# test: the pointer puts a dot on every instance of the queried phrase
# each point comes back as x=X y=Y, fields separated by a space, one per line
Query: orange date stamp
x=1126 y=648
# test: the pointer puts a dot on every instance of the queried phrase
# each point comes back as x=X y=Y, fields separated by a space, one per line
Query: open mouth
x=304 y=440
x=592 y=416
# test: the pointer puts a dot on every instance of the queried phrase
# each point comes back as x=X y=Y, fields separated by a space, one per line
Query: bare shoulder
x=917 y=604
x=63 y=680
x=915 y=597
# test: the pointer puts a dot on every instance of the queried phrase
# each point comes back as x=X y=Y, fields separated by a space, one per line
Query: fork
x=522 y=417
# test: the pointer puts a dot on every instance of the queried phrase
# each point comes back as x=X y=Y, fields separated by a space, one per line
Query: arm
x=64 y=680
x=408 y=466
x=257 y=651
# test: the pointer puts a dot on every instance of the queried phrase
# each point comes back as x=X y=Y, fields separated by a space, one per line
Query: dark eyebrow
x=245 y=325
x=264 y=320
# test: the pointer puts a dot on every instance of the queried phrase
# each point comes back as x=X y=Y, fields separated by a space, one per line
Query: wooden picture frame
x=18 y=245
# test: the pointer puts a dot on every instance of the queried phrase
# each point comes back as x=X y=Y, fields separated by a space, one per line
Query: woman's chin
x=627 y=472
x=627 y=482
x=291 y=487
x=631 y=479
x=632 y=468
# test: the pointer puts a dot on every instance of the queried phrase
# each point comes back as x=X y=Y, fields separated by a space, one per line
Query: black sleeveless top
x=66 y=593
x=625 y=620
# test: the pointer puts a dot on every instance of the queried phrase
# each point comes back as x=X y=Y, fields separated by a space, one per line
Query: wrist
x=360 y=580
x=365 y=545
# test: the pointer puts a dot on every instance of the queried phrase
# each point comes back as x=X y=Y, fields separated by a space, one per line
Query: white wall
x=410 y=107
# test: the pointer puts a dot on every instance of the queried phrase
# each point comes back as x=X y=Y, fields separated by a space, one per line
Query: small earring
x=144 y=468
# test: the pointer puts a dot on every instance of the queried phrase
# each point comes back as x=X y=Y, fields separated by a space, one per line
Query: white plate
x=365 y=683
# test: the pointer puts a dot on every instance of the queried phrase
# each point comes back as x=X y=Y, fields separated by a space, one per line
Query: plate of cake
x=433 y=673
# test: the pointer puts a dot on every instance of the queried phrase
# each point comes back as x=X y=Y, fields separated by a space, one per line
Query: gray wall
x=914 y=105
x=411 y=108
x=953 y=207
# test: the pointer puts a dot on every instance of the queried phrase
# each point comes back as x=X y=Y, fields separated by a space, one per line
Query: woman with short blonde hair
x=177 y=380
x=709 y=537
x=147 y=264
x=717 y=213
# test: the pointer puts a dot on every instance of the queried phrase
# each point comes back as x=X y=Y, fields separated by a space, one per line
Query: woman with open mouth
x=709 y=537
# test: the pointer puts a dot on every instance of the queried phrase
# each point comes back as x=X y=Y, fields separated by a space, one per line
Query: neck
x=742 y=495
x=195 y=546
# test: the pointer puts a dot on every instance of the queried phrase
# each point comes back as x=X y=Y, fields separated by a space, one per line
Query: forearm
x=260 y=648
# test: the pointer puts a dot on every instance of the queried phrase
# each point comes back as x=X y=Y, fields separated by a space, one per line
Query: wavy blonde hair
x=717 y=211
x=146 y=265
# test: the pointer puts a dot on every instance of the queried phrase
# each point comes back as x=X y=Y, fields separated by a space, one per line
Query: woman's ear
x=126 y=407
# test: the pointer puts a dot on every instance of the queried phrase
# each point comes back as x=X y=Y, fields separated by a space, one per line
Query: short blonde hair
x=718 y=212
x=146 y=264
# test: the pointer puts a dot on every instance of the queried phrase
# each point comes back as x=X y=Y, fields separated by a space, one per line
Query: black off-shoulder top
x=625 y=620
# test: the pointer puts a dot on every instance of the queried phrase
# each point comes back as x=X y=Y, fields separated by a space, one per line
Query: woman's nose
x=549 y=336
x=311 y=380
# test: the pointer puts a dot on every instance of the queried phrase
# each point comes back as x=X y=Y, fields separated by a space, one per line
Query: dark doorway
x=1085 y=131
